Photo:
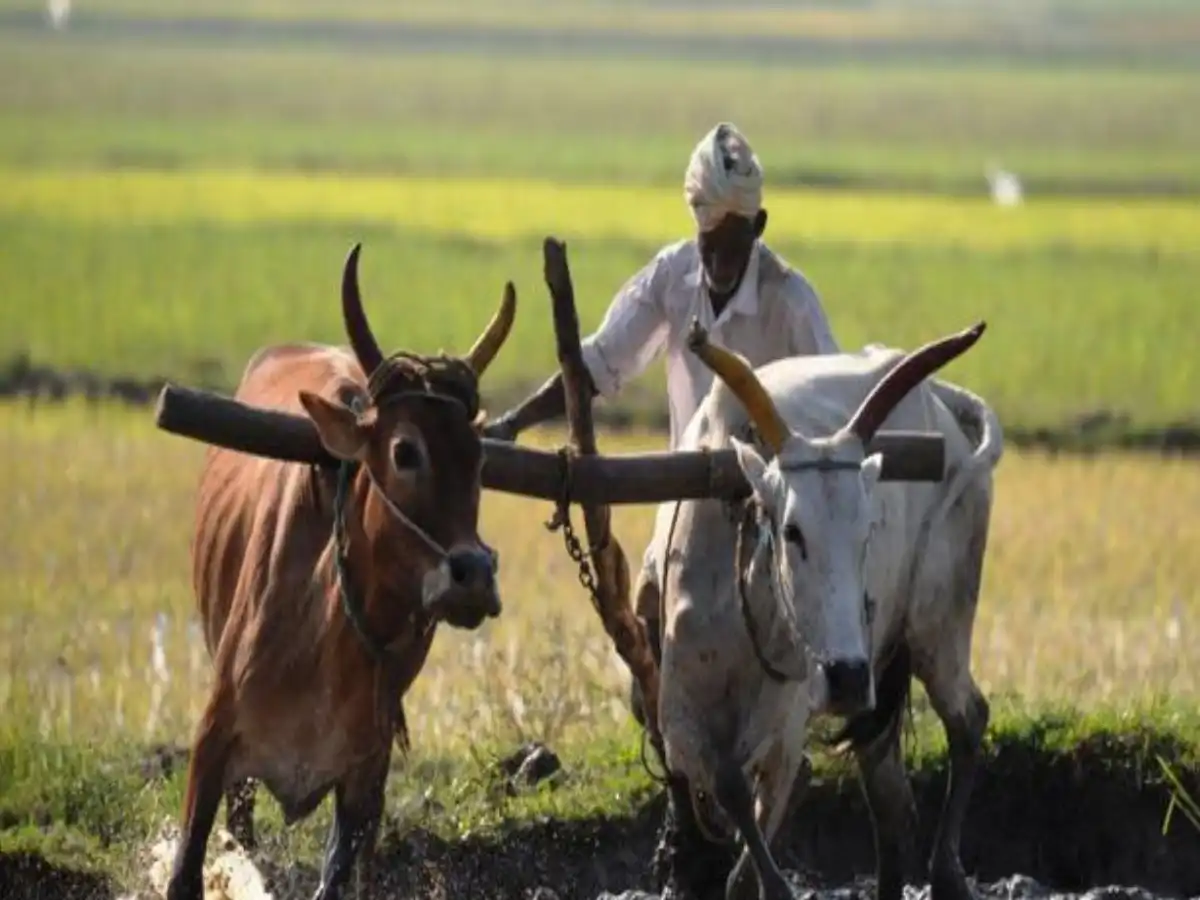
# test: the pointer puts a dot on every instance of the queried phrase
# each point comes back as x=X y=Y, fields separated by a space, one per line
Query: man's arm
x=632 y=333
x=548 y=402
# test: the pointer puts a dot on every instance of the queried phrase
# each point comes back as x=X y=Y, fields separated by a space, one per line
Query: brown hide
x=293 y=680
x=320 y=591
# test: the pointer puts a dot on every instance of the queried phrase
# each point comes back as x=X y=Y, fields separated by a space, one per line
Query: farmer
x=749 y=299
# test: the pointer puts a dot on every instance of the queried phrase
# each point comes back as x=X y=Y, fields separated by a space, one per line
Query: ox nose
x=466 y=591
x=849 y=684
x=471 y=569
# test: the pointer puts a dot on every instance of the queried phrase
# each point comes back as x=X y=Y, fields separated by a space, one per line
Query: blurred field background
x=180 y=183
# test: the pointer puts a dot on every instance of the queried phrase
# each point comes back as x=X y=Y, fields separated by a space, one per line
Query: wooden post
x=608 y=559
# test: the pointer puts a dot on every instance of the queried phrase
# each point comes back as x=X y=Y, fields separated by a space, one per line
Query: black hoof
x=687 y=867
x=947 y=882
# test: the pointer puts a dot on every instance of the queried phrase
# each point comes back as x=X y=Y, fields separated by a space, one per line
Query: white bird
x=58 y=11
x=1005 y=186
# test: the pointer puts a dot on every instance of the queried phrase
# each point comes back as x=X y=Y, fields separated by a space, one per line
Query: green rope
x=350 y=601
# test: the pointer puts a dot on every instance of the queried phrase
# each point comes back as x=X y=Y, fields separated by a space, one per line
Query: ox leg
x=202 y=799
x=778 y=791
x=646 y=607
x=239 y=812
x=875 y=738
x=964 y=713
x=686 y=863
x=733 y=793
x=944 y=667
x=358 y=807
x=893 y=815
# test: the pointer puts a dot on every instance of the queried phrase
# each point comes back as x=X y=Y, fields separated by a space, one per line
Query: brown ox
x=316 y=631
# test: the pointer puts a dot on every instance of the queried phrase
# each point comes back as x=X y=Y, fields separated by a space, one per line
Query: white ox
x=823 y=594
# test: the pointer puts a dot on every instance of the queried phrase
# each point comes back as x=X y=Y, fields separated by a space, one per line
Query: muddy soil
x=1068 y=825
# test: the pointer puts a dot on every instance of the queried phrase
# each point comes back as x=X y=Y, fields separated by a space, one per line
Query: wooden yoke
x=611 y=592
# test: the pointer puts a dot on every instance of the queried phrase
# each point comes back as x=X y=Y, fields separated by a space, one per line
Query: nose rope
x=765 y=542
x=420 y=533
x=424 y=536
x=352 y=605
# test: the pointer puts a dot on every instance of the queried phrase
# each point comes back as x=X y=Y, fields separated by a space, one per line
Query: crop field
x=1089 y=604
x=1090 y=300
x=180 y=184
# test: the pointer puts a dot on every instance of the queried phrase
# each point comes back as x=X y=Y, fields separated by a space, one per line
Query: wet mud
x=1084 y=822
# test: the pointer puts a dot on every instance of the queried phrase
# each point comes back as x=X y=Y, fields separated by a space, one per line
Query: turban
x=723 y=176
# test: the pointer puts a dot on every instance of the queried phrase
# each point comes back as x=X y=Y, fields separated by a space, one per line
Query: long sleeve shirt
x=774 y=314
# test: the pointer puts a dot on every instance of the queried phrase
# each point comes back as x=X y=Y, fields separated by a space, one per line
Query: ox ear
x=871 y=468
x=342 y=432
x=754 y=467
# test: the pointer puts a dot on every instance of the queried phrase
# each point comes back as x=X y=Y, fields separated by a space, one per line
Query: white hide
x=715 y=697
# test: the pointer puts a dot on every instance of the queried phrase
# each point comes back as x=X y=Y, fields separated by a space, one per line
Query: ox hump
x=275 y=375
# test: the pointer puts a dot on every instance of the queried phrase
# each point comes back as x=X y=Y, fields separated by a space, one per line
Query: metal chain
x=562 y=520
x=587 y=576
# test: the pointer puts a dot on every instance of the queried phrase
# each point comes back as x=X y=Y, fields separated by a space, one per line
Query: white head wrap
x=723 y=176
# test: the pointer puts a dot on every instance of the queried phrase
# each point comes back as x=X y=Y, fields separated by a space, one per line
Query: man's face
x=726 y=249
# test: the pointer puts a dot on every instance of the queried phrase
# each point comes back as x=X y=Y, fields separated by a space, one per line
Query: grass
x=1089 y=303
x=909 y=20
x=104 y=100
x=1071 y=608
x=173 y=197
x=489 y=209
x=1076 y=615
x=903 y=26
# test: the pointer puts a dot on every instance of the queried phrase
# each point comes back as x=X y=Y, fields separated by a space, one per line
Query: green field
x=180 y=184
x=167 y=273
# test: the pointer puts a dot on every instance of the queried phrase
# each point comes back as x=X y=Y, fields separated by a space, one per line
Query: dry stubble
x=1090 y=590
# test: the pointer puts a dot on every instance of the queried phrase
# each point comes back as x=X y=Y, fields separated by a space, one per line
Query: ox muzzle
x=849 y=688
x=462 y=590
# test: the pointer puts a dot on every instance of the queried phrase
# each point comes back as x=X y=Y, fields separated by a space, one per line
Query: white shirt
x=775 y=313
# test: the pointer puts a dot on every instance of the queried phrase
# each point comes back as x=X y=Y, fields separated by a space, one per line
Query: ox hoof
x=947 y=882
x=185 y=889
x=743 y=881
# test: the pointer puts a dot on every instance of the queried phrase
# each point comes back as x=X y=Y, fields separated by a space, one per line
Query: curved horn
x=911 y=371
x=737 y=374
x=488 y=344
x=362 y=341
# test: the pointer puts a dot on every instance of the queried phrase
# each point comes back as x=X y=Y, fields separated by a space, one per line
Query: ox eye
x=794 y=536
x=405 y=455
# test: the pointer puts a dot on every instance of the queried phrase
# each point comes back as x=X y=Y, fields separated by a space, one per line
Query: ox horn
x=911 y=371
x=362 y=341
x=485 y=348
x=737 y=374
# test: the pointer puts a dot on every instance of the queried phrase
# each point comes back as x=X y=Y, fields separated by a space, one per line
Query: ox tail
x=893 y=692
x=981 y=426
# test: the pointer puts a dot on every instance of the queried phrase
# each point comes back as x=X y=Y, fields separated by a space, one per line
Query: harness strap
x=352 y=603
x=741 y=565
x=351 y=600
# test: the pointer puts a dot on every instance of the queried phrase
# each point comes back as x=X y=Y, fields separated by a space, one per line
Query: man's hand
x=503 y=429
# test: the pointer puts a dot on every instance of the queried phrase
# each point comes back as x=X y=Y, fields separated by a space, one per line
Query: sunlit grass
x=1089 y=598
x=1089 y=595
x=507 y=209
